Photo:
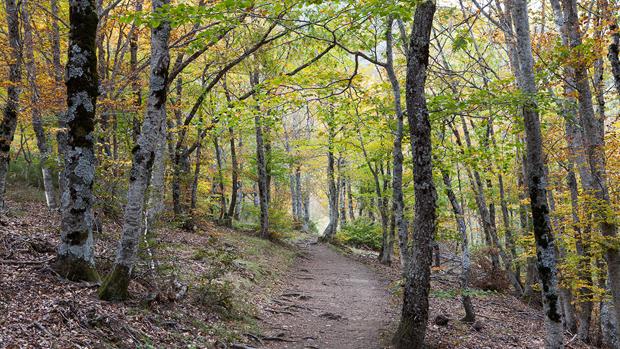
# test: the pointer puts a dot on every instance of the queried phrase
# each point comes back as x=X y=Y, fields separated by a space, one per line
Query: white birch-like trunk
x=150 y=138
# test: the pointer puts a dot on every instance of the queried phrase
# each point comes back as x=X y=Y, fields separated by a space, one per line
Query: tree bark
x=9 y=117
x=414 y=317
x=594 y=142
x=194 y=193
x=220 y=178
x=350 y=200
x=115 y=285
x=470 y=315
x=342 y=193
x=332 y=194
x=398 y=202
x=234 y=179
x=135 y=77
x=545 y=244
x=261 y=163
x=76 y=258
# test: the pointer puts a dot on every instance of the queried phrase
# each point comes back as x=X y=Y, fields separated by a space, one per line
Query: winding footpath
x=329 y=302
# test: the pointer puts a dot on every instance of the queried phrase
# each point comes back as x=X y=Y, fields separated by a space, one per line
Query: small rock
x=331 y=316
x=477 y=326
x=441 y=320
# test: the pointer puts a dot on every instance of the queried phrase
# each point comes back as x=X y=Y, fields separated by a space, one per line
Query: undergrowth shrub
x=215 y=292
x=482 y=274
x=362 y=233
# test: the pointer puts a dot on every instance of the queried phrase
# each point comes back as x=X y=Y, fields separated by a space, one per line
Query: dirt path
x=329 y=302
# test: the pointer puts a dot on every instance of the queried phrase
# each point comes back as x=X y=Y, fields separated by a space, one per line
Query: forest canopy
x=485 y=133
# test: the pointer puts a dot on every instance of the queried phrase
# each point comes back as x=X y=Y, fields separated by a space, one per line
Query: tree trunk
x=261 y=163
x=470 y=315
x=350 y=200
x=194 y=192
x=594 y=142
x=9 y=118
x=61 y=135
x=157 y=186
x=576 y=155
x=398 y=202
x=220 y=178
x=412 y=327
x=115 y=285
x=37 y=123
x=545 y=244
x=342 y=194
x=76 y=258
x=135 y=77
x=613 y=49
x=332 y=194
x=298 y=192
x=306 y=206
x=234 y=179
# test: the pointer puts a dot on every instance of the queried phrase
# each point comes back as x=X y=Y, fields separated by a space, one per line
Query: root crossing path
x=329 y=302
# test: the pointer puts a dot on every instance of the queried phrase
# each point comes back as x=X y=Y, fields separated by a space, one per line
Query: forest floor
x=205 y=290
x=217 y=288
x=329 y=301
x=338 y=297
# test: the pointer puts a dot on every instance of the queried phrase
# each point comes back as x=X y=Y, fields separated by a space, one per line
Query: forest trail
x=328 y=301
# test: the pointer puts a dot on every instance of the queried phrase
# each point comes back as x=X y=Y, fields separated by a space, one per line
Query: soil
x=329 y=301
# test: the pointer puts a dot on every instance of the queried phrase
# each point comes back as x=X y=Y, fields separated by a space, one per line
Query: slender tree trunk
x=180 y=157
x=76 y=257
x=577 y=156
x=398 y=203
x=470 y=315
x=261 y=163
x=37 y=123
x=613 y=49
x=115 y=285
x=194 y=193
x=61 y=135
x=299 y=194
x=350 y=200
x=412 y=328
x=234 y=179
x=342 y=194
x=306 y=206
x=332 y=194
x=545 y=244
x=135 y=78
x=220 y=177
x=9 y=117
x=594 y=142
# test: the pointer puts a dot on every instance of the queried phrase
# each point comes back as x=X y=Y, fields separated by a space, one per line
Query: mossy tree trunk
x=9 y=117
x=536 y=181
x=76 y=258
x=153 y=127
